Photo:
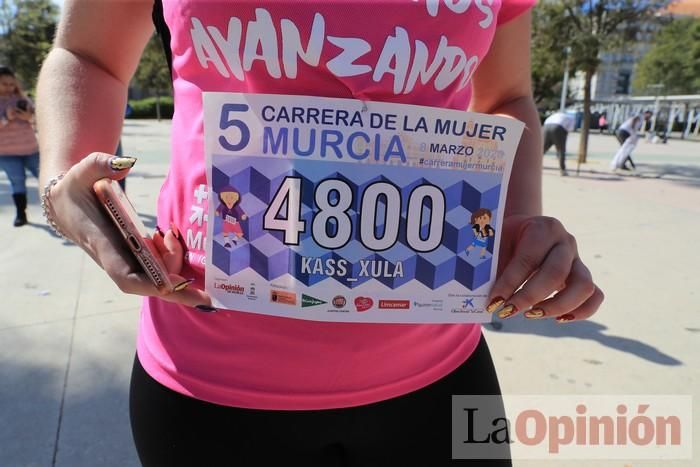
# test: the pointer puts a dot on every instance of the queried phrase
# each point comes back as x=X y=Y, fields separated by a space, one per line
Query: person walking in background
x=602 y=123
x=628 y=137
x=556 y=129
x=19 y=149
x=629 y=128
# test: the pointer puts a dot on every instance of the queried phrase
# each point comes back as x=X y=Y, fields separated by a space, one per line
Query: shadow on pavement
x=688 y=175
x=29 y=407
x=586 y=174
x=93 y=416
x=584 y=330
x=596 y=176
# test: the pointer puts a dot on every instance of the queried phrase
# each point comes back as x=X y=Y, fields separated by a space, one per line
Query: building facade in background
x=616 y=70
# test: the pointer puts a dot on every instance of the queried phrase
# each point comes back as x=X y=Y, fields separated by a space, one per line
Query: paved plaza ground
x=67 y=335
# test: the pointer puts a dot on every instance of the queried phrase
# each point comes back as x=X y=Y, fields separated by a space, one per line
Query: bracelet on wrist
x=46 y=202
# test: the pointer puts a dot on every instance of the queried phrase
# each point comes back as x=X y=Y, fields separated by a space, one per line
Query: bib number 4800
x=334 y=197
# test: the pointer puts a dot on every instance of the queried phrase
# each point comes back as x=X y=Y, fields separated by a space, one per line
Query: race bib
x=354 y=211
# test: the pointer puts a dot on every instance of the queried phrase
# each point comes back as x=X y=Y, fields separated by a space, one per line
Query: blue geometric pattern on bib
x=257 y=179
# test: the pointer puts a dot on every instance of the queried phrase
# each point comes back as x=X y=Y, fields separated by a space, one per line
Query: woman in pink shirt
x=19 y=150
x=221 y=387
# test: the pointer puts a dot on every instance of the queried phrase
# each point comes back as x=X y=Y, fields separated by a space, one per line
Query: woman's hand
x=26 y=115
x=79 y=216
x=539 y=254
x=15 y=113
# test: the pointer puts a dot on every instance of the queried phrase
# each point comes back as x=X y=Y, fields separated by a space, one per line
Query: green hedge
x=146 y=108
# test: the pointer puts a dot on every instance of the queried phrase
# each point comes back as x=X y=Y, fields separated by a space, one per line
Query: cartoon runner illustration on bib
x=231 y=214
x=482 y=231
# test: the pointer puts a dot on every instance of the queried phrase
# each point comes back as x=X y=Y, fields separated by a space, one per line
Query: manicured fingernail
x=535 y=313
x=206 y=308
x=495 y=304
x=566 y=318
x=120 y=163
x=159 y=232
x=182 y=285
x=175 y=230
x=507 y=311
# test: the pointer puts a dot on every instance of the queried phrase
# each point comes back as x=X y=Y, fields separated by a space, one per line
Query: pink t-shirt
x=405 y=51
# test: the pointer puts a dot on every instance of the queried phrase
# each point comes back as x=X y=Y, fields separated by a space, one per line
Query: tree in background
x=152 y=73
x=27 y=29
x=674 y=59
x=590 y=27
x=548 y=61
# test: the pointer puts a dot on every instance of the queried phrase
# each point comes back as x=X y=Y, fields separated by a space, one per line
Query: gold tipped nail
x=535 y=313
x=182 y=285
x=495 y=304
x=565 y=318
x=507 y=311
x=122 y=163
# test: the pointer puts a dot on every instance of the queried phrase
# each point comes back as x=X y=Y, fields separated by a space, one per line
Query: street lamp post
x=657 y=88
x=565 y=84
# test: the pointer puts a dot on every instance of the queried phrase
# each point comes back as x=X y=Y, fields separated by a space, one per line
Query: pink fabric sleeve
x=511 y=9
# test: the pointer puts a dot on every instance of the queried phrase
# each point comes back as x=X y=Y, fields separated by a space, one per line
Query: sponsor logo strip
x=394 y=304
x=308 y=301
x=363 y=303
x=283 y=297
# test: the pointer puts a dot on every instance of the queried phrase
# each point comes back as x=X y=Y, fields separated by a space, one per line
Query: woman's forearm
x=80 y=109
x=525 y=188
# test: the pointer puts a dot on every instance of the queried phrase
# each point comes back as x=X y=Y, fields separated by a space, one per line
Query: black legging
x=171 y=429
x=556 y=135
x=621 y=136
